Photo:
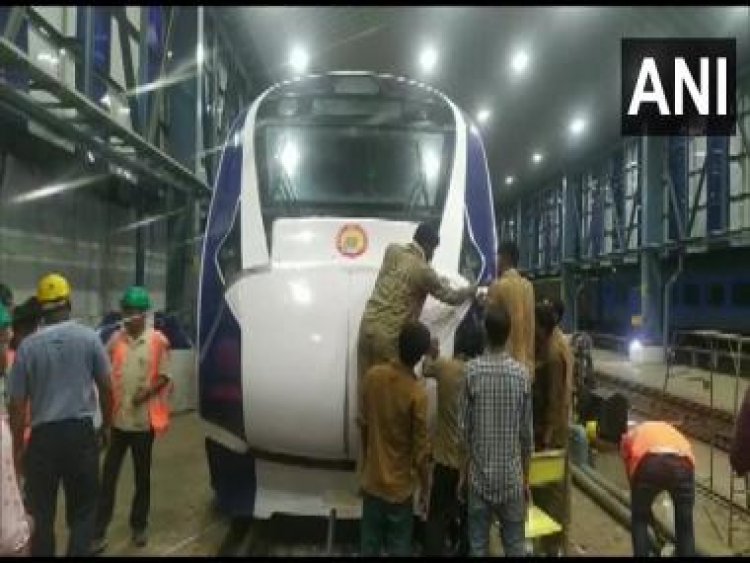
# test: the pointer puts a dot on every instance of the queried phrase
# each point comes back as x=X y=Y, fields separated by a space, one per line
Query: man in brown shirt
x=403 y=284
x=449 y=450
x=516 y=294
x=552 y=391
x=393 y=422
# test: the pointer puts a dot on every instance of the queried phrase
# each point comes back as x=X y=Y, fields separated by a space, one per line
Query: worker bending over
x=56 y=369
x=140 y=376
x=659 y=458
x=516 y=295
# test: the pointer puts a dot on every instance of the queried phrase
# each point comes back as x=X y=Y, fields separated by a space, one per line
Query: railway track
x=696 y=419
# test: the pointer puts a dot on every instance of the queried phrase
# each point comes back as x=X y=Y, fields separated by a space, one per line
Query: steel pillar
x=568 y=282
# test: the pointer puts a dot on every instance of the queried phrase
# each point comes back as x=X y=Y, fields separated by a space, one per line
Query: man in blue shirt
x=56 y=370
x=496 y=419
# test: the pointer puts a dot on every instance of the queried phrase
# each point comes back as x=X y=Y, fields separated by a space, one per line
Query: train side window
x=741 y=294
x=471 y=260
x=691 y=295
x=716 y=295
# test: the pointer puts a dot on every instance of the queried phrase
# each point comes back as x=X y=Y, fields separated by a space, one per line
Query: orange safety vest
x=158 y=405
x=653 y=438
x=10 y=357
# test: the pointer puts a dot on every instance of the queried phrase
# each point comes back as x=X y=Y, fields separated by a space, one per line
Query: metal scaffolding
x=75 y=118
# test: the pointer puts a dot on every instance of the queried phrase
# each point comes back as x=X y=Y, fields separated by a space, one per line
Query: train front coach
x=316 y=178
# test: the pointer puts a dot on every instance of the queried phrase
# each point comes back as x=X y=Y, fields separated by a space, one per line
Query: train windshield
x=356 y=158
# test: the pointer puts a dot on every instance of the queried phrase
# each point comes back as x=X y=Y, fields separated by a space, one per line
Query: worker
x=739 y=454
x=140 y=378
x=496 y=421
x=448 y=451
x=15 y=523
x=516 y=294
x=6 y=354
x=56 y=369
x=659 y=458
x=6 y=297
x=26 y=319
x=553 y=396
x=403 y=283
x=393 y=424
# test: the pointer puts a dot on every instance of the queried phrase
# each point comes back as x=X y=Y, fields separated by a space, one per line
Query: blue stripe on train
x=479 y=206
x=220 y=366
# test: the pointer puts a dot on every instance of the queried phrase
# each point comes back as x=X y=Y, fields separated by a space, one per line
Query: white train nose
x=298 y=334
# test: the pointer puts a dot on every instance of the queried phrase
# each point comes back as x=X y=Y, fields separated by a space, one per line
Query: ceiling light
x=577 y=126
x=289 y=157
x=537 y=157
x=483 y=115
x=298 y=59
x=199 y=54
x=431 y=165
x=508 y=180
x=105 y=100
x=428 y=59
x=520 y=61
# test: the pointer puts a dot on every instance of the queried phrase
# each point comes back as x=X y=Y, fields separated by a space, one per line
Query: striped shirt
x=496 y=420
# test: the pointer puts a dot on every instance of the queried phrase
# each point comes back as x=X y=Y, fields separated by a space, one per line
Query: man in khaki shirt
x=404 y=282
x=516 y=294
x=140 y=366
x=553 y=398
x=449 y=451
x=393 y=422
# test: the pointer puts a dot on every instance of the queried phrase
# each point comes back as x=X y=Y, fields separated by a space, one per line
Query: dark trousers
x=657 y=473
x=386 y=526
x=140 y=444
x=447 y=516
x=62 y=451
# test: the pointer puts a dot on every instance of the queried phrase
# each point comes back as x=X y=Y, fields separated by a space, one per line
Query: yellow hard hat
x=591 y=430
x=51 y=288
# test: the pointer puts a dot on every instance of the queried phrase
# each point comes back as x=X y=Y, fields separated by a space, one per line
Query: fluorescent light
x=537 y=157
x=124 y=110
x=299 y=59
x=577 y=126
x=428 y=59
x=509 y=180
x=54 y=189
x=90 y=157
x=169 y=54
x=431 y=165
x=519 y=62
x=635 y=346
x=289 y=157
x=199 y=54
x=106 y=100
x=483 y=115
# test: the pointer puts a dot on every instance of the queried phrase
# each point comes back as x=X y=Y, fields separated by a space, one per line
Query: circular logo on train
x=351 y=240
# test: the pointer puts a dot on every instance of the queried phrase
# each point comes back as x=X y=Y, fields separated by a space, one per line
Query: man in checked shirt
x=496 y=419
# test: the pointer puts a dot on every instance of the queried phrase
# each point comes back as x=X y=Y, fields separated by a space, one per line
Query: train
x=712 y=292
x=315 y=179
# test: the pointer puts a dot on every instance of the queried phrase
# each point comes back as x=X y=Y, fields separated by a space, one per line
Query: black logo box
x=648 y=121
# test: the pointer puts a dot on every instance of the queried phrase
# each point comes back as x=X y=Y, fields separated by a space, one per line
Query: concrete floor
x=183 y=521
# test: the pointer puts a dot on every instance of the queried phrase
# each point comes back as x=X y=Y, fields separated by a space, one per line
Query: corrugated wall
x=76 y=233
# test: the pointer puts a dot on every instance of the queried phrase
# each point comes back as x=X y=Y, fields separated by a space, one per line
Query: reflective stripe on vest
x=158 y=405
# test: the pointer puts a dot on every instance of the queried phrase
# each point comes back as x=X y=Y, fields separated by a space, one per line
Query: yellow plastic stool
x=591 y=428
